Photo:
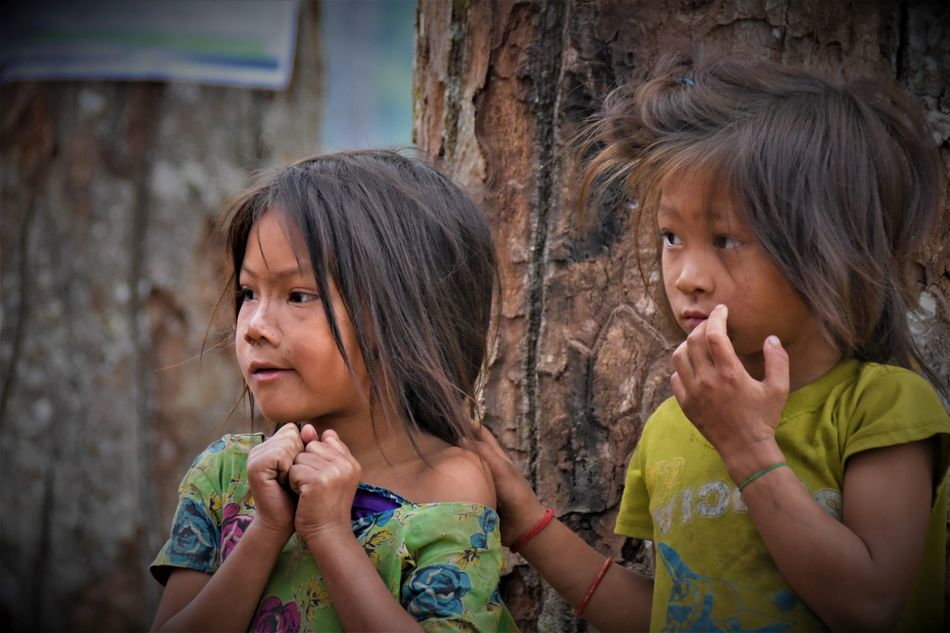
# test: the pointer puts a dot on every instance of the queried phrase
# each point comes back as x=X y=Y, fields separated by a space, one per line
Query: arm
x=227 y=599
x=325 y=476
x=855 y=574
x=623 y=599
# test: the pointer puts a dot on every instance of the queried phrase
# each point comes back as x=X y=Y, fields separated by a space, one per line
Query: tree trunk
x=110 y=268
x=501 y=88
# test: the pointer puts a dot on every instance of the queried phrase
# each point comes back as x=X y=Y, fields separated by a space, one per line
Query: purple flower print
x=233 y=525
x=274 y=616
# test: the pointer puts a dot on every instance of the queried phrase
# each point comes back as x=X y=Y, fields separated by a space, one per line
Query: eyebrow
x=277 y=274
x=712 y=213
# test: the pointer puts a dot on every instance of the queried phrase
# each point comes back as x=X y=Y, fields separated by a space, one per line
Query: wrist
x=516 y=524
x=533 y=531
x=743 y=464
x=326 y=536
x=266 y=534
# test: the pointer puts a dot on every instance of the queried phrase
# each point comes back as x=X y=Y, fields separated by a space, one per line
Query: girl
x=364 y=283
x=796 y=480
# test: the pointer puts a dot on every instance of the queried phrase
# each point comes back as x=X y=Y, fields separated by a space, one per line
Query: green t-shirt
x=441 y=561
x=713 y=571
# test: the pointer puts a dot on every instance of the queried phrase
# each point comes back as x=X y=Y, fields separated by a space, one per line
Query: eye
x=244 y=294
x=726 y=242
x=670 y=238
x=302 y=296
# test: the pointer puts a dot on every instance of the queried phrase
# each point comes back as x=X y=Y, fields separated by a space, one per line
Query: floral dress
x=441 y=561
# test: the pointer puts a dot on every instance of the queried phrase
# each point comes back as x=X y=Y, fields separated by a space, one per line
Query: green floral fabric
x=441 y=561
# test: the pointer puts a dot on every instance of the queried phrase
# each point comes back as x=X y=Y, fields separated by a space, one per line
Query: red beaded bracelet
x=593 y=586
x=535 y=529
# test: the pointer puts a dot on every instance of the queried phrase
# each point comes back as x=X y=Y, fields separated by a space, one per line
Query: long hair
x=840 y=183
x=414 y=262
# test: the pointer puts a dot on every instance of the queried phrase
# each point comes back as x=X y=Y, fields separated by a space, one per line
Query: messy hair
x=838 y=182
x=414 y=262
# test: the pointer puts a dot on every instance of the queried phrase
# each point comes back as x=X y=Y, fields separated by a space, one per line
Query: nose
x=260 y=324
x=695 y=274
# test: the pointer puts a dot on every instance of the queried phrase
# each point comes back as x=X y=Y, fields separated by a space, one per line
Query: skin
x=750 y=340
x=288 y=357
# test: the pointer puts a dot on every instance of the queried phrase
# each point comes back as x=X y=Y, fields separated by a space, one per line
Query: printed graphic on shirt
x=701 y=603
x=671 y=502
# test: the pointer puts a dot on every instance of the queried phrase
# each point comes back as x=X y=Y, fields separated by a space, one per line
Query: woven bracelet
x=758 y=474
x=593 y=586
x=535 y=529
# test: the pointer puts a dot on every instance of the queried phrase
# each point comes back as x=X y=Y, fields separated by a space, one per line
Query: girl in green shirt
x=363 y=283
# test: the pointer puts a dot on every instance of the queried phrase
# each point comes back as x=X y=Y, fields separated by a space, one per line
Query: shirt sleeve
x=634 y=518
x=194 y=540
x=895 y=406
x=453 y=583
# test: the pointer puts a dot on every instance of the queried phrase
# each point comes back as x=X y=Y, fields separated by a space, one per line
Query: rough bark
x=501 y=88
x=110 y=270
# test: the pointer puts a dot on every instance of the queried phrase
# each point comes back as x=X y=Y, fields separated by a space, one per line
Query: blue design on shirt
x=702 y=603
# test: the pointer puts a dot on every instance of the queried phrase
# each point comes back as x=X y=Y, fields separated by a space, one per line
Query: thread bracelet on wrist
x=748 y=480
x=593 y=586
x=533 y=531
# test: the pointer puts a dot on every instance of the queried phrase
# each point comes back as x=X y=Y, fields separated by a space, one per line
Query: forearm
x=229 y=599
x=353 y=583
x=622 y=600
x=831 y=568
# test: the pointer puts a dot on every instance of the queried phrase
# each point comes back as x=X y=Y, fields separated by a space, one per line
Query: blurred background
x=126 y=127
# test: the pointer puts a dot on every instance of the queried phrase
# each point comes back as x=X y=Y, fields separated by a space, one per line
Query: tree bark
x=110 y=267
x=501 y=88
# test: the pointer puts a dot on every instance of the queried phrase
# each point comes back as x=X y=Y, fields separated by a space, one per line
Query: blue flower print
x=194 y=538
x=216 y=447
x=479 y=541
x=488 y=520
x=435 y=591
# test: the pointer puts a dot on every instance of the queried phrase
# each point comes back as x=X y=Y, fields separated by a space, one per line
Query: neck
x=389 y=443
x=806 y=364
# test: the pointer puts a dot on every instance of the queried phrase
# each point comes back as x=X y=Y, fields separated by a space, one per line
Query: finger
x=698 y=352
x=308 y=434
x=776 y=366
x=679 y=390
x=720 y=348
x=332 y=439
x=320 y=449
x=682 y=363
x=490 y=452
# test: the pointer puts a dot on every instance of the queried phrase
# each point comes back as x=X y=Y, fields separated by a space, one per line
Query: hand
x=735 y=412
x=325 y=476
x=268 y=464
x=518 y=507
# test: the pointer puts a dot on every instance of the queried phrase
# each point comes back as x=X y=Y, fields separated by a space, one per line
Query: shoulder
x=886 y=405
x=890 y=388
x=223 y=458
x=454 y=474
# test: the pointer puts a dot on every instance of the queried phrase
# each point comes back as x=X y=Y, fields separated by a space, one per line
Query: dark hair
x=839 y=183
x=413 y=259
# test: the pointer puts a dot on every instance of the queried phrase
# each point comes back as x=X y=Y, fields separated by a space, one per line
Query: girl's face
x=710 y=256
x=283 y=341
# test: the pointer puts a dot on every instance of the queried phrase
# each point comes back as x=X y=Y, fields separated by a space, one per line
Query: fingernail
x=773 y=340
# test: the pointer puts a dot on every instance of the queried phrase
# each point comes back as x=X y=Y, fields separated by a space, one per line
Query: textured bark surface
x=501 y=87
x=110 y=270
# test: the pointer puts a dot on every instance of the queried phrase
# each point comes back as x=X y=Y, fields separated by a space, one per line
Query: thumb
x=776 y=366
x=308 y=434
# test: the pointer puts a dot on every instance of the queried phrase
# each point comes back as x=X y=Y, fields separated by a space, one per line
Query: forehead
x=693 y=194
x=275 y=242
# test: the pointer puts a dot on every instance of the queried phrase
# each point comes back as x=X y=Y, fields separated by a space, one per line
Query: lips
x=263 y=371
x=693 y=318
